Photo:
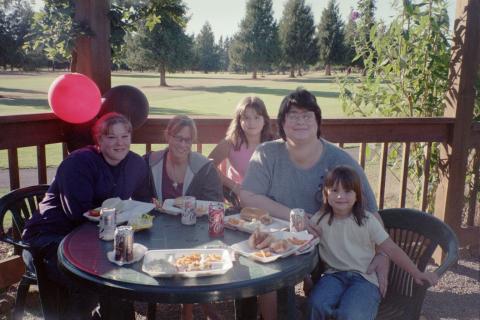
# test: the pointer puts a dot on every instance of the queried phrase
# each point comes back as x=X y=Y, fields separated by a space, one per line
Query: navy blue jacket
x=82 y=182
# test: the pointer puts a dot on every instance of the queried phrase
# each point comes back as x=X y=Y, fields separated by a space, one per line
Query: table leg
x=286 y=303
x=246 y=308
x=116 y=309
x=152 y=310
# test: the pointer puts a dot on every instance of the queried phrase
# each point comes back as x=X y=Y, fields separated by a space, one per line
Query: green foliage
x=54 y=31
x=256 y=45
x=297 y=35
x=206 y=52
x=165 y=47
x=15 y=23
x=406 y=68
x=330 y=35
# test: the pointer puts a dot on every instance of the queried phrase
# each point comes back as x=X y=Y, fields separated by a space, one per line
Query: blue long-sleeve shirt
x=82 y=182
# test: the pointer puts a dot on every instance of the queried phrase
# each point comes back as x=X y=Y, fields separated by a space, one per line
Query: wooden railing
x=386 y=135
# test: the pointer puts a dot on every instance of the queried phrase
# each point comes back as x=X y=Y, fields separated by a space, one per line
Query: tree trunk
x=299 y=72
x=292 y=72
x=328 y=70
x=254 y=75
x=73 y=61
x=163 y=81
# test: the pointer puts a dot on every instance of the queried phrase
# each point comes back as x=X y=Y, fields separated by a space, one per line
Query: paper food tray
x=201 y=207
x=246 y=226
x=244 y=248
x=130 y=209
x=160 y=263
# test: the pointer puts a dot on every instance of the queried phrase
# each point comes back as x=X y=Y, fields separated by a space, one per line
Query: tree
x=205 y=50
x=297 y=36
x=166 y=47
x=223 y=49
x=366 y=21
x=350 y=38
x=15 y=23
x=330 y=36
x=257 y=44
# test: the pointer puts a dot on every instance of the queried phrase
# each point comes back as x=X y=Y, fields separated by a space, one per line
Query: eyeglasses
x=179 y=139
x=296 y=116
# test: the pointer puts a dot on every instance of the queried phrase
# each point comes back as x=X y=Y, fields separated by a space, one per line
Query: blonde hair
x=103 y=125
x=235 y=134
x=177 y=123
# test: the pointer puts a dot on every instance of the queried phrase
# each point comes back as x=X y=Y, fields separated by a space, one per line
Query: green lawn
x=188 y=93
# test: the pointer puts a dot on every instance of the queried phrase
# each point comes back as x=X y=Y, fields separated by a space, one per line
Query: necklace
x=174 y=176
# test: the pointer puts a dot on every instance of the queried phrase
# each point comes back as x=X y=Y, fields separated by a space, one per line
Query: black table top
x=82 y=256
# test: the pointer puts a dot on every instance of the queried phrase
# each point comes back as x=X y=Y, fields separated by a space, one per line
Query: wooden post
x=92 y=53
x=459 y=104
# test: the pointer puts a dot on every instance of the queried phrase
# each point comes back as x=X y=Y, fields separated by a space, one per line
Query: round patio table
x=83 y=257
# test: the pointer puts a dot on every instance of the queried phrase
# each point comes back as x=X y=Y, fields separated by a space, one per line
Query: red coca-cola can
x=216 y=212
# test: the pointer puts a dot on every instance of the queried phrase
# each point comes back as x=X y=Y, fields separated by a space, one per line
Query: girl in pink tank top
x=249 y=127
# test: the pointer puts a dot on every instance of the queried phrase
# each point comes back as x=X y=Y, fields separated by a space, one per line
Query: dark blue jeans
x=344 y=296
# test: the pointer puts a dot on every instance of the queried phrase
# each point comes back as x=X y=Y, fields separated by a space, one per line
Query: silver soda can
x=108 y=222
x=189 y=216
x=123 y=243
x=297 y=220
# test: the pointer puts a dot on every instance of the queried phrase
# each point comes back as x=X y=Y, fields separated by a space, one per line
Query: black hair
x=301 y=99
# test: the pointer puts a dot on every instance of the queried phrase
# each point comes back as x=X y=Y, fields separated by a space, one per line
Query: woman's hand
x=380 y=264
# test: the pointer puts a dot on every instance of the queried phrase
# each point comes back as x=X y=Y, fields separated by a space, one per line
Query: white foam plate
x=244 y=248
x=159 y=263
x=138 y=252
x=130 y=209
x=246 y=226
x=201 y=207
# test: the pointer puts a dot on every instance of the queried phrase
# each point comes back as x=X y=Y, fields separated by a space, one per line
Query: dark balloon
x=128 y=101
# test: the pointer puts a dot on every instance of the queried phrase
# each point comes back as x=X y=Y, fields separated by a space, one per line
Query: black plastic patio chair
x=418 y=234
x=21 y=203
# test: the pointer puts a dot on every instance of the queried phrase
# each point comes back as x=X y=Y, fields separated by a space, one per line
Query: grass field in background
x=187 y=93
x=214 y=94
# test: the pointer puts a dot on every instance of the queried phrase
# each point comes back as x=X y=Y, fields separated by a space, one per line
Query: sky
x=225 y=15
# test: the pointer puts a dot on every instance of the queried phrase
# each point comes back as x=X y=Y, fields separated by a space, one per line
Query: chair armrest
x=15 y=243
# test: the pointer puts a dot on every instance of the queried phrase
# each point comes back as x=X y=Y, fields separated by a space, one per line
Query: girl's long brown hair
x=349 y=180
x=235 y=134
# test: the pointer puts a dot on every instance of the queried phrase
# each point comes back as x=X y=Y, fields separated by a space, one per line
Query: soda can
x=123 y=243
x=297 y=220
x=108 y=222
x=216 y=212
x=189 y=216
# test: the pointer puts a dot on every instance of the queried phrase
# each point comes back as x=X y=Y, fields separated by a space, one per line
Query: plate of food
x=125 y=209
x=250 y=219
x=174 y=206
x=269 y=246
x=188 y=263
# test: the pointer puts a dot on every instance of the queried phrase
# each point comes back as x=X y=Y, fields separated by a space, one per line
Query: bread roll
x=249 y=213
x=112 y=203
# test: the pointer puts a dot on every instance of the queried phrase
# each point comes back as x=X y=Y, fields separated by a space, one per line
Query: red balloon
x=74 y=98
